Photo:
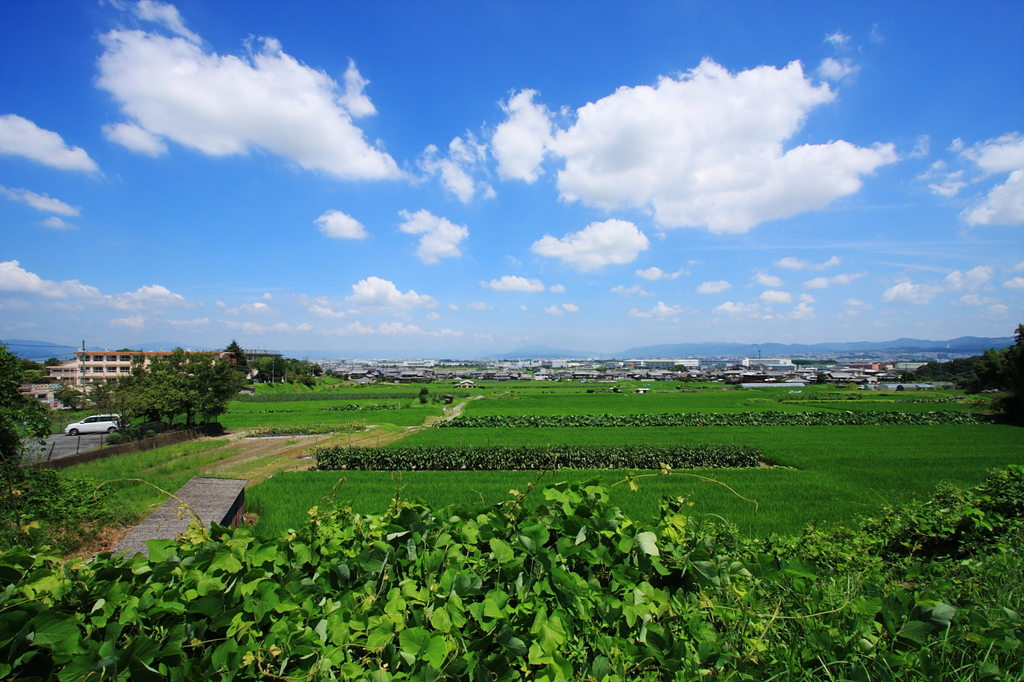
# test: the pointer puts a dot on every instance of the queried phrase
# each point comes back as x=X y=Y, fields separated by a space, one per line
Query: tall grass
x=820 y=474
x=168 y=468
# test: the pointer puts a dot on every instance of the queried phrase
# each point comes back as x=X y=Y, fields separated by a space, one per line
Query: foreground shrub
x=572 y=590
x=536 y=457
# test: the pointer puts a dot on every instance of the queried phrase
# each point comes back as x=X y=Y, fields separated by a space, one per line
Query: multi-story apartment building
x=93 y=367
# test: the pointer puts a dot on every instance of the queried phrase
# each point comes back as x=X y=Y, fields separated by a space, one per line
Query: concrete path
x=59 y=445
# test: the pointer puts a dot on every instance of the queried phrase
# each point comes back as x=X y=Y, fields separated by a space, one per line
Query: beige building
x=93 y=367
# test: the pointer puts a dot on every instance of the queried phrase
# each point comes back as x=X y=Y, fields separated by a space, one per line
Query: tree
x=22 y=420
x=70 y=396
x=192 y=384
x=237 y=354
x=1013 y=368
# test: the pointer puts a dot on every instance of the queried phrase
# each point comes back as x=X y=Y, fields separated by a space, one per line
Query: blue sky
x=465 y=178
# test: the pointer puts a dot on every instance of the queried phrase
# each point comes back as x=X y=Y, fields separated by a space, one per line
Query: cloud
x=171 y=88
x=707 y=149
x=375 y=293
x=1004 y=204
x=1015 y=284
x=998 y=309
x=792 y=263
x=654 y=274
x=55 y=223
x=807 y=298
x=133 y=137
x=854 y=305
x=612 y=242
x=324 y=311
x=557 y=289
x=167 y=16
x=730 y=308
x=921 y=148
x=392 y=328
x=914 y=294
x=21 y=137
x=1019 y=267
x=40 y=202
x=515 y=283
x=998 y=155
x=766 y=280
x=440 y=237
x=189 y=323
x=14 y=278
x=521 y=141
x=971 y=280
x=340 y=225
x=837 y=39
x=566 y=308
x=479 y=306
x=433 y=316
x=132 y=322
x=773 y=297
x=802 y=311
x=716 y=287
x=972 y=300
x=636 y=290
x=659 y=311
x=455 y=178
x=825 y=282
x=836 y=69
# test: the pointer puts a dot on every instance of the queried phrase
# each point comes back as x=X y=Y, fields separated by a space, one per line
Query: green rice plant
x=168 y=468
x=508 y=458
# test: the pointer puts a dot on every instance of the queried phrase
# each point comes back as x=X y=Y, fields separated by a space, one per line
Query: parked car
x=98 y=423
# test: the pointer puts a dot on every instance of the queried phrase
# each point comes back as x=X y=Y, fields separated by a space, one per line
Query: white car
x=98 y=423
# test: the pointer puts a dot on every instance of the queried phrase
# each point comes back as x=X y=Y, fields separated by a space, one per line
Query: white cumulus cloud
x=21 y=137
x=653 y=274
x=730 y=308
x=793 y=263
x=340 y=225
x=520 y=142
x=1004 y=204
x=707 y=149
x=1015 y=284
x=379 y=294
x=832 y=69
x=636 y=290
x=825 y=282
x=454 y=169
x=612 y=242
x=515 y=283
x=659 y=311
x=774 y=297
x=171 y=88
x=766 y=280
x=40 y=202
x=55 y=223
x=908 y=292
x=440 y=238
x=715 y=287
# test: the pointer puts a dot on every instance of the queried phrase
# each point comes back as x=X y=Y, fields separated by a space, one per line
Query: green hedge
x=866 y=418
x=363 y=395
x=506 y=457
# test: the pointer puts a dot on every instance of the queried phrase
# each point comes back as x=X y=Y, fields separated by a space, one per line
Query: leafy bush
x=511 y=458
x=573 y=590
x=364 y=395
x=304 y=429
x=864 y=418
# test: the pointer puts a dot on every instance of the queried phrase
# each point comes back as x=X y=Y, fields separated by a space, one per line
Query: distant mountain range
x=972 y=345
x=963 y=344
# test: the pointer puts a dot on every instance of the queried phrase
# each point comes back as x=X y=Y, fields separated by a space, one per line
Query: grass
x=168 y=468
x=823 y=474
x=252 y=415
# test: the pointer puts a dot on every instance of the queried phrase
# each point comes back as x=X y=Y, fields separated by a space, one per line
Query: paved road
x=63 y=446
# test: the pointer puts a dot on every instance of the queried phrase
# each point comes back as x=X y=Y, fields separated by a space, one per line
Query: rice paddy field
x=816 y=475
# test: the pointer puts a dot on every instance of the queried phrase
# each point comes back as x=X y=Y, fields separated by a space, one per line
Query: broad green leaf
x=503 y=553
x=225 y=560
x=648 y=542
x=916 y=630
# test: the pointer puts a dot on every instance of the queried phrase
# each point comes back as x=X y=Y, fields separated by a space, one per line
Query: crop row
x=305 y=429
x=865 y=418
x=539 y=457
x=363 y=395
x=376 y=406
